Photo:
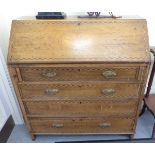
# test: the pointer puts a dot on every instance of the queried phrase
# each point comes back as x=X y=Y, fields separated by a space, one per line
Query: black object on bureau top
x=50 y=15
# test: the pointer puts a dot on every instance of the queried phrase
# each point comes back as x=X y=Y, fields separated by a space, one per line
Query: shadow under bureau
x=79 y=76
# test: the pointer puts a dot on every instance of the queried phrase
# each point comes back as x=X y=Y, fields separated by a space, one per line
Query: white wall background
x=11 y=9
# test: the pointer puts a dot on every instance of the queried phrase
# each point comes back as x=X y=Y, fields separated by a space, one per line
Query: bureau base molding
x=130 y=135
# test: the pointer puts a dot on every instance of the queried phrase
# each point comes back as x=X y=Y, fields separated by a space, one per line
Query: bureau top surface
x=78 y=40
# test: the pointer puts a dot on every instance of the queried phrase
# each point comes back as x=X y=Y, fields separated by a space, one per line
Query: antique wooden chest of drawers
x=79 y=76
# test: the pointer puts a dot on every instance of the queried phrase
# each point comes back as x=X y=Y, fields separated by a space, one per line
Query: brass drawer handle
x=57 y=125
x=105 y=125
x=51 y=91
x=109 y=74
x=108 y=91
x=49 y=74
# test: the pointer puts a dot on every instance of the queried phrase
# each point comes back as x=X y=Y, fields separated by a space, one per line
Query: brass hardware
x=51 y=91
x=49 y=74
x=109 y=74
x=105 y=125
x=57 y=125
x=108 y=91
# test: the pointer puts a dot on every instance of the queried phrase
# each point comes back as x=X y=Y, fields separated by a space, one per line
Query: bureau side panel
x=142 y=90
x=14 y=77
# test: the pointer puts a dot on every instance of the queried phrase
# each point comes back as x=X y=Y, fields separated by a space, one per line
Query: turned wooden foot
x=131 y=136
x=33 y=137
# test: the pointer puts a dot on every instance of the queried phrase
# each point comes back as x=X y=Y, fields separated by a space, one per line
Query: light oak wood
x=14 y=78
x=80 y=125
x=99 y=40
x=79 y=90
x=79 y=76
x=83 y=72
x=81 y=108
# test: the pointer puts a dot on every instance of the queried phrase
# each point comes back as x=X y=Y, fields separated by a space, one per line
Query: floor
x=143 y=130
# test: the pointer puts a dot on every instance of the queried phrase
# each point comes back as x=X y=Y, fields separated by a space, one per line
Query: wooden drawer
x=85 y=108
x=78 y=90
x=80 y=73
x=77 y=125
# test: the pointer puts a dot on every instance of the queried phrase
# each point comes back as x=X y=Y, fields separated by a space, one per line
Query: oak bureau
x=79 y=76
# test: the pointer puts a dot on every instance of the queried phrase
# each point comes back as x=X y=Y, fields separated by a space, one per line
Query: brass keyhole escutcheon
x=49 y=74
x=51 y=91
x=108 y=91
x=109 y=74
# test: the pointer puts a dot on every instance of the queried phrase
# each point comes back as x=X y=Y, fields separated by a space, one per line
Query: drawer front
x=110 y=125
x=81 y=108
x=80 y=73
x=91 y=90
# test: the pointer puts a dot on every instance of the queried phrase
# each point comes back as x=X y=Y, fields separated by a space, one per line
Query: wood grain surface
x=79 y=76
x=83 y=72
x=91 y=125
x=50 y=41
x=81 y=108
x=79 y=90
